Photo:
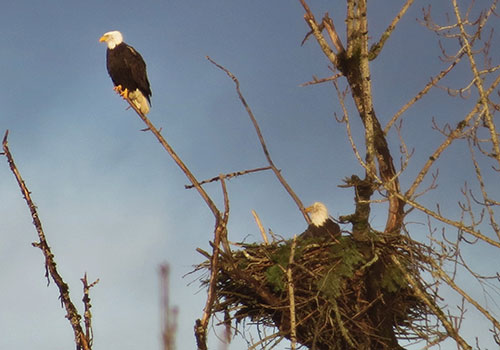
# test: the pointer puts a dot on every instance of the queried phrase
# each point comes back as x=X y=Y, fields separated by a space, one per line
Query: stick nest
x=347 y=294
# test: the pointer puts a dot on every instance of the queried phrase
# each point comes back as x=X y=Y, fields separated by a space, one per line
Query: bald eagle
x=321 y=226
x=127 y=70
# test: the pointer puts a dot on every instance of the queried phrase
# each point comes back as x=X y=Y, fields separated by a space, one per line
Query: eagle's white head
x=318 y=213
x=112 y=38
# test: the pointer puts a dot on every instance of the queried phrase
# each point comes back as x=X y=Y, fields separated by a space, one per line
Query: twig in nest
x=291 y=295
x=228 y=176
x=82 y=342
x=330 y=306
x=261 y=228
x=225 y=217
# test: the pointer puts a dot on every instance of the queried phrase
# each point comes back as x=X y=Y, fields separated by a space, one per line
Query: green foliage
x=275 y=274
x=350 y=257
x=282 y=255
x=393 y=279
x=347 y=259
x=331 y=284
x=276 y=277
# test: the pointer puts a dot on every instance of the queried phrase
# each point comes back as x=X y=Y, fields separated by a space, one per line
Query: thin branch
x=421 y=93
x=177 y=160
x=82 y=342
x=316 y=30
x=267 y=339
x=225 y=217
x=438 y=216
x=87 y=316
x=263 y=143
x=424 y=297
x=451 y=137
x=220 y=236
x=377 y=47
x=321 y=80
x=201 y=325
x=332 y=32
x=228 y=176
x=483 y=95
x=345 y=119
x=450 y=281
x=480 y=179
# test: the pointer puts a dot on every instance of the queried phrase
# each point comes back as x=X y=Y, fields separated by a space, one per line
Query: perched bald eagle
x=321 y=226
x=127 y=70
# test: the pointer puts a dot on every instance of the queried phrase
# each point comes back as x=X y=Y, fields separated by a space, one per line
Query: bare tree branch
x=322 y=80
x=177 y=160
x=220 y=231
x=420 y=94
x=276 y=171
x=483 y=95
x=377 y=47
x=89 y=334
x=477 y=112
x=81 y=340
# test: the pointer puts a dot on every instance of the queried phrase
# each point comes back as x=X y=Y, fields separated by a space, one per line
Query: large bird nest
x=345 y=294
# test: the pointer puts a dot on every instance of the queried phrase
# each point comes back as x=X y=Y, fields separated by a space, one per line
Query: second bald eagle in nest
x=322 y=226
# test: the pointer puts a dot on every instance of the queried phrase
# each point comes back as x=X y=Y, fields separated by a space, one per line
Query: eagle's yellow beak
x=103 y=38
x=308 y=209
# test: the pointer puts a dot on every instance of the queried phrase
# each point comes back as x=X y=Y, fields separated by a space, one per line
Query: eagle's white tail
x=140 y=101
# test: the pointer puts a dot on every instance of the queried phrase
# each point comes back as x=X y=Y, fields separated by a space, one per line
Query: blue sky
x=112 y=202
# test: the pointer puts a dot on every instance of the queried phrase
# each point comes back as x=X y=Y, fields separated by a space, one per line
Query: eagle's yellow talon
x=124 y=93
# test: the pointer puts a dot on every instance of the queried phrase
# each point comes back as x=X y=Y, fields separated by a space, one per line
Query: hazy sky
x=112 y=202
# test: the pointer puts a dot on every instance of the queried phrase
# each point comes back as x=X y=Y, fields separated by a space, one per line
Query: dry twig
x=261 y=228
x=229 y=176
